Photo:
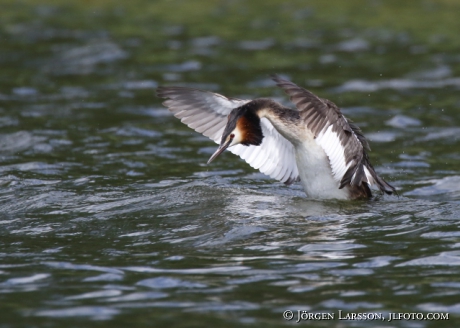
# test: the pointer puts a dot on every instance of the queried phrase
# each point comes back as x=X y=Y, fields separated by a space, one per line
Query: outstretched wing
x=342 y=141
x=206 y=112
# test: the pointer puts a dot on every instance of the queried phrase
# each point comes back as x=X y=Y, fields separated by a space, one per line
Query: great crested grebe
x=314 y=143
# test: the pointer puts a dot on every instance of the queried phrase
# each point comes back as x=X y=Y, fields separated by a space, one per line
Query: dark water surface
x=109 y=216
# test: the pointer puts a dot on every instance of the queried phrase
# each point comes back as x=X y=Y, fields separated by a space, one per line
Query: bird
x=314 y=143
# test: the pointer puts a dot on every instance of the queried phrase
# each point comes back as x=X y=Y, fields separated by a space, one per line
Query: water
x=109 y=216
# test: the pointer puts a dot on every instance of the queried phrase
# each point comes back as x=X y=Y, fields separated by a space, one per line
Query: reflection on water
x=110 y=217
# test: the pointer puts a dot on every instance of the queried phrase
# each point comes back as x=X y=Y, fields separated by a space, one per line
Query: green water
x=109 y=216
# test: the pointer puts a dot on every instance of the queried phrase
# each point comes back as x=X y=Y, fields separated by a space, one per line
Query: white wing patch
x=332 y=146
x=330 y=142
x=370 y=179
x=275 y=157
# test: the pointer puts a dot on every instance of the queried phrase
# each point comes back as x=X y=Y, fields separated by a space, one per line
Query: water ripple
x=95 y=312
x=167 y=282
x=70 y=266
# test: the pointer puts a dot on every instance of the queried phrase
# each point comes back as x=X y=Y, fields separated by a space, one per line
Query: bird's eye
x=232 y=136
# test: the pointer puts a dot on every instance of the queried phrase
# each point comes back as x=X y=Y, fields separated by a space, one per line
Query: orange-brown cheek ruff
x=247 y=131
x=251 y=132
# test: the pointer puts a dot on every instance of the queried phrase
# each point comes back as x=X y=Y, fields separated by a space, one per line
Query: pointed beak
x=220 y=150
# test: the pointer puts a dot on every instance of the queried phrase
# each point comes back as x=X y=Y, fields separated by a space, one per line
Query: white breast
x=315 y=172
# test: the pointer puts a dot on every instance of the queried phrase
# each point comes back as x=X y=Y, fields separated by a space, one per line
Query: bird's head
x=243 y=127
